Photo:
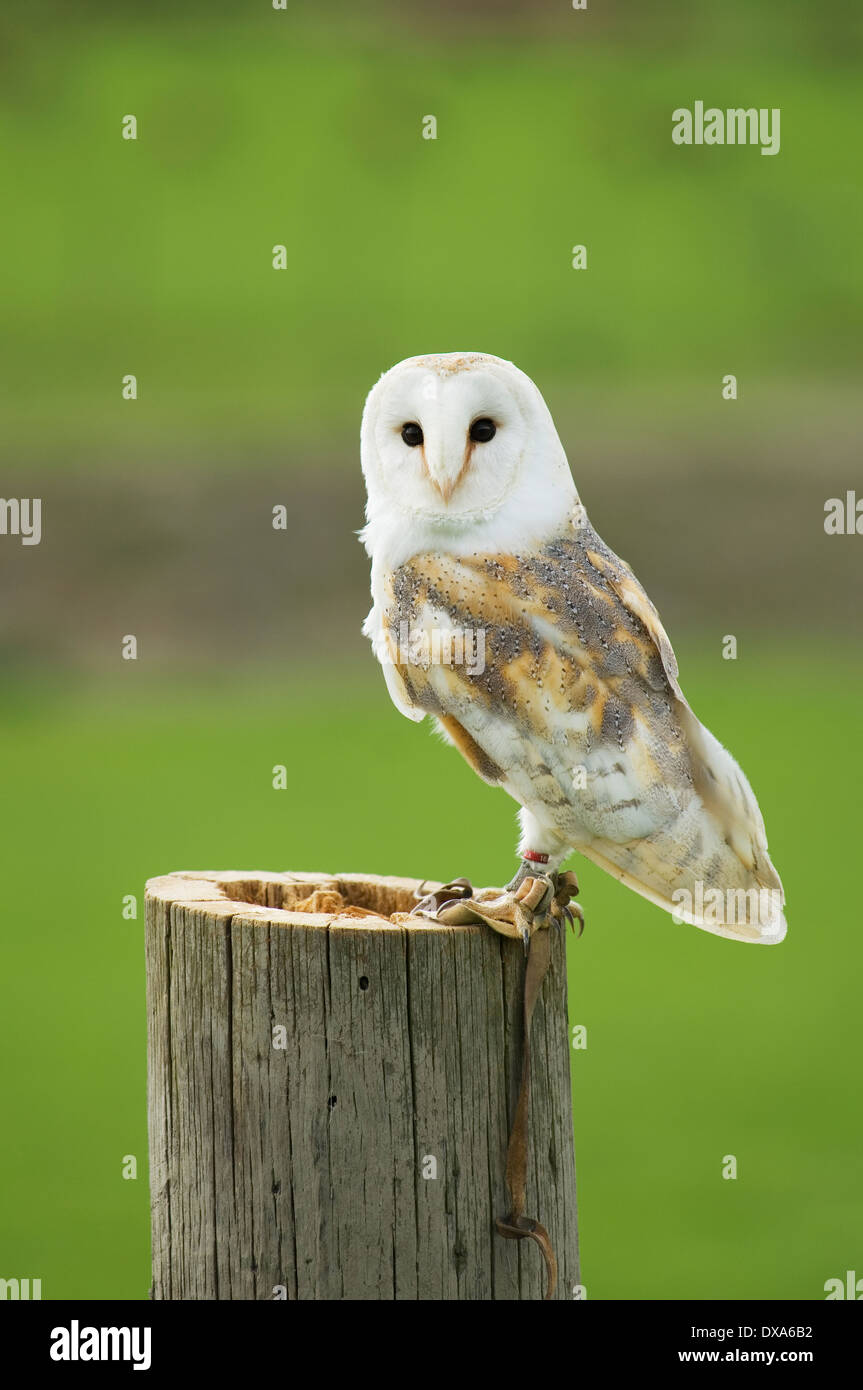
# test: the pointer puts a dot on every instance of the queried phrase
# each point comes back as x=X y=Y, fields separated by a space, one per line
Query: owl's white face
x=447 y=443
x=454 y=444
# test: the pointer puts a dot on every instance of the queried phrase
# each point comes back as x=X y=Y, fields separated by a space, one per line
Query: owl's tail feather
x=728 y=900
x=709 y=865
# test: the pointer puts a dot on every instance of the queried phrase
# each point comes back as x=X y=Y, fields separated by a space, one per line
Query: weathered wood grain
x=298 y=1172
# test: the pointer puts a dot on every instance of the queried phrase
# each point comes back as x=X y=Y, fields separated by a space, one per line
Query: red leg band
x=536 y=858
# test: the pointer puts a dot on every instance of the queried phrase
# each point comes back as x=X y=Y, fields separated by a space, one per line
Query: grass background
x=697 y=1047
x=303 y=128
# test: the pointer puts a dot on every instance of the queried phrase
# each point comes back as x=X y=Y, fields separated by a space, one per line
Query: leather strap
x=517 y=1226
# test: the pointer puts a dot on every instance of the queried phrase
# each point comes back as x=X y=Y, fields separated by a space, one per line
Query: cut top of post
x=366 y=901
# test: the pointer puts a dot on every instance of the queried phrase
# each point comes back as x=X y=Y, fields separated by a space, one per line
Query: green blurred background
x=303 y=127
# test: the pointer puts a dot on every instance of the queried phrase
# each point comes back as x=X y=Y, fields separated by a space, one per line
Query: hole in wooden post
x=353 y=896
x=364 y=982
x=331 y=1102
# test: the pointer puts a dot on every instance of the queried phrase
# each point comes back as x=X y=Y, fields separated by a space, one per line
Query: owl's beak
x=443 y=473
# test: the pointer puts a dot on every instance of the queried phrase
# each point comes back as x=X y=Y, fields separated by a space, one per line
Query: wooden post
x=330 y=1095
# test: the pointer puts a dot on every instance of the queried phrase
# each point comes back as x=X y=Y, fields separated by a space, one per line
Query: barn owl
x=499 y=612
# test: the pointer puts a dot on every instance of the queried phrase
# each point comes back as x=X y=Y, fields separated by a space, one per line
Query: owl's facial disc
x=449 y=445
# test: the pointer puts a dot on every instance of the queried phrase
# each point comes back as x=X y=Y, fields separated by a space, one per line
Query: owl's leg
x=542 y=852
x=542 y=849
x=528 y=868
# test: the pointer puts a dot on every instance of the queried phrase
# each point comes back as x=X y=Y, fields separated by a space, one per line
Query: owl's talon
x=567 y=882
x=533 y=895
x=534 y=904
x=562 y=908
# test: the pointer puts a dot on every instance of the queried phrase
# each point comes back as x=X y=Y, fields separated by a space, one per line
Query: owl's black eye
x=481 y=431
x=412 y=434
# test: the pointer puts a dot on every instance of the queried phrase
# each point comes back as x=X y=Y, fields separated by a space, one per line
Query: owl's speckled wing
x=554 y=677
